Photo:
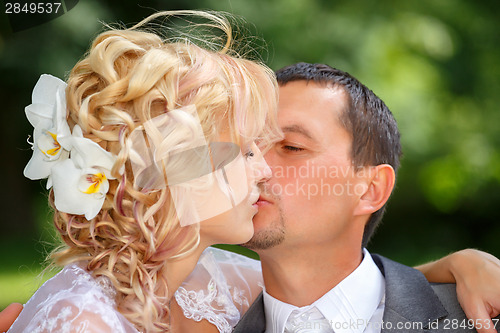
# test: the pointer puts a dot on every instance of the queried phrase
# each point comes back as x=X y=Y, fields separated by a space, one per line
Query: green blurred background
x=435 y=64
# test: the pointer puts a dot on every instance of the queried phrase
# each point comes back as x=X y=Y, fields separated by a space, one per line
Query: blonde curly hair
x=129 y=77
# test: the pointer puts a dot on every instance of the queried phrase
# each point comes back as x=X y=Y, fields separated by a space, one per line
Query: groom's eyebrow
x=298 y=129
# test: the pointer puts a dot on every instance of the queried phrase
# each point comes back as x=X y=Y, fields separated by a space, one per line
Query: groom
x=332 y=176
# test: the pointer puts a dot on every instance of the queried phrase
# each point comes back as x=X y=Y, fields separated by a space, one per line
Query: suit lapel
x=254 y=320
x=409 y=298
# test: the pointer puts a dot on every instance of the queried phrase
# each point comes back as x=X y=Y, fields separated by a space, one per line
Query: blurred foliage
x=435 y=64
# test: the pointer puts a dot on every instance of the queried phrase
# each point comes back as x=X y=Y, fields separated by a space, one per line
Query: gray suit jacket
x=412 y=304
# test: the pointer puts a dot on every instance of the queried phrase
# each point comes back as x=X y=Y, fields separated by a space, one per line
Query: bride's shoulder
x=226 y=269
x=72 y=299
x=236 y=267
x=220 y=289
x=76 y=285
x=227 y=259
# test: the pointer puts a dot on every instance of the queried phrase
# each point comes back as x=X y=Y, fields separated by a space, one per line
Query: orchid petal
x=47 y=114
x=39 y=115
x=61 y=124
x=43 y=100
x=88 y=154
x=49 y=182
x=67 y=180
x=38 y=167
x=46 y=87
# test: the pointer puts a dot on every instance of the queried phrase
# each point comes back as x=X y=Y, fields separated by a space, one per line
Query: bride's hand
x=477 y=275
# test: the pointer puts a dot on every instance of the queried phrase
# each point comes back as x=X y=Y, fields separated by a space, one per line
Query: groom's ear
x=379 y=183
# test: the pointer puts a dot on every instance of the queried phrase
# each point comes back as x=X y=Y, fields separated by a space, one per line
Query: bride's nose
x=262 y=171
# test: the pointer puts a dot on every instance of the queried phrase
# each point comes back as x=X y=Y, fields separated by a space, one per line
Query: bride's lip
x=254 y=197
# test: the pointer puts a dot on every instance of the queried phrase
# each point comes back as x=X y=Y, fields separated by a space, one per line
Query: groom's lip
x=262 y=201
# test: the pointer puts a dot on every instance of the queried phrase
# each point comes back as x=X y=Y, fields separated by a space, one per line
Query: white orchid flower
x=77 y=167
x=47 y=114
x=81 y=182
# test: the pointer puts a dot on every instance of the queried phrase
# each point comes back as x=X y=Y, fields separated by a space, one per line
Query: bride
x=150 y=156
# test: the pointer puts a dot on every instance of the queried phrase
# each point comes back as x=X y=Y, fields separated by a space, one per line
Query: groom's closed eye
x=292 y=148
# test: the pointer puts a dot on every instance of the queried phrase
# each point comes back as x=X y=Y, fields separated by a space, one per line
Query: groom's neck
x=300 y=277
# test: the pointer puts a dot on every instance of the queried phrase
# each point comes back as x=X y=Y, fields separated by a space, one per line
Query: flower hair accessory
x=77 y=168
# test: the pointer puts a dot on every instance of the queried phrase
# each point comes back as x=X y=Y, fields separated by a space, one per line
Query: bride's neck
x=177 y=270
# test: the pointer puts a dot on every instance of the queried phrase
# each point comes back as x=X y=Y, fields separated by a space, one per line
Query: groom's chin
x=266 y=239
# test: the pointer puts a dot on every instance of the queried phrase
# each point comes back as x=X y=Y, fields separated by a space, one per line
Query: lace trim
x=214 y=306
x=238 y=296
x=206 y=293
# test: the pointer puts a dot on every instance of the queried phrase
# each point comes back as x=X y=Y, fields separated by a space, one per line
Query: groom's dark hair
x=374 y=131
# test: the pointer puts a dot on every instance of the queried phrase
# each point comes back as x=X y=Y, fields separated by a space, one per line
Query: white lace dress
x=220 y=289
x=72 y=301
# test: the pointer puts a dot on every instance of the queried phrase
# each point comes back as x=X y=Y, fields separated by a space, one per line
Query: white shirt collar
x=348 y=307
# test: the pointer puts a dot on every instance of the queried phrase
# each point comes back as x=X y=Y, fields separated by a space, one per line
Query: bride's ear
x=380 y=183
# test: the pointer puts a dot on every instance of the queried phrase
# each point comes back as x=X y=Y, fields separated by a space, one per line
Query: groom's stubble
x=274 y=232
